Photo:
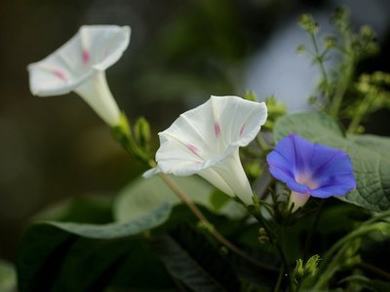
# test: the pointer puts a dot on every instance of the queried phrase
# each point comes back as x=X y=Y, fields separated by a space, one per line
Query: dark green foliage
x=51 y=259
x=191 y=259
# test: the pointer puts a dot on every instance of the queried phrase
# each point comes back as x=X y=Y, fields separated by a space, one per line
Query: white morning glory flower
x=79 y=66
x=206 y=141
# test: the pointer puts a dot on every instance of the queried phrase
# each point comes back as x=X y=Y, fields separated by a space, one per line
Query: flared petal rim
x=207 y=134
x=94 y=48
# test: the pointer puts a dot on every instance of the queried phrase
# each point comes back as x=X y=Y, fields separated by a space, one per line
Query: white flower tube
x=79 y=66
x=206 y=141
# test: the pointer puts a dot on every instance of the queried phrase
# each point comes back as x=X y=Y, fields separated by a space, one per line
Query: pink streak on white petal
x=193 y=149
x=242 y=130
x=217 y=130
x=59 y=74
x=86 y=57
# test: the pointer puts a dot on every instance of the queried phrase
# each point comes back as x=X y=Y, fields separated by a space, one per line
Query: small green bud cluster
x=142 y=134
x=340 y=19
x=250 y=95
x=263 y=236
x=276 y=109
x=253 y=169
x=307 y=22
x=351 y=256
x=330 y=42
x=304 y=271
x=300 y=49
x=135 y=140
x=372 y=93
x=364 y=42
x=352 y=47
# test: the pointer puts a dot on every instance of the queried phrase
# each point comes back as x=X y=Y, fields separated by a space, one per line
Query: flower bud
x=307 y=22
x=250 y=95
x=300 y=49
x=299 y=270
x=142 y=133
x=311 y=266
x=330 y=42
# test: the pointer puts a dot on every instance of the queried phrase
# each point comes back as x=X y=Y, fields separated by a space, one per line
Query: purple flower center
x=306 y=180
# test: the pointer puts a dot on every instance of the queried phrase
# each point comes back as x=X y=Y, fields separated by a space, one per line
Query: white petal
x=96 y=93
x=197 y=127
x=240 y=120
x=93 y=48
x=217 y=124
x=52 y=76
x=151 y=172
x=205 y=140
x=178 y=156
x=229 y=176
x=104 y=43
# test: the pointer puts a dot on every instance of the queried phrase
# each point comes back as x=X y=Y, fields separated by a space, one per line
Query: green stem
x=186 y=199
x=368 y=226
x=342 y=88
x=279 y=281
x=364 y=229
x=273 y=239
x=347 y=75
x=328 y=273
x=379 y=217
x=319 y=58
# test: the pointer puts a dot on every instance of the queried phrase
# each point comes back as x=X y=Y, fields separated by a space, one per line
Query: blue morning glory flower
x=311 y=169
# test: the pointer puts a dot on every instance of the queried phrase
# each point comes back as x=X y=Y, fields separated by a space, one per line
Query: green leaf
x=218 y=199
x=117 y=230
x=82 y=211
x=51 y=259
x=192 y=260
x=85 y=209
x=51 y=253
x=7 y=277
x=371 y=167
x=146 y=195
x=378 y=144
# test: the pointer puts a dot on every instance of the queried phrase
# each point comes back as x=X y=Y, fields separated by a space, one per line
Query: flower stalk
x=274 y=240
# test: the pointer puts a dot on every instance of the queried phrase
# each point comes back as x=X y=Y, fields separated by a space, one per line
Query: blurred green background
x=181 y=51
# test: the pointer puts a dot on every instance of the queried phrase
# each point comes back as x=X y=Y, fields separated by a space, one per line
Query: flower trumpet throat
x=79 y=66
x=206 y=141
